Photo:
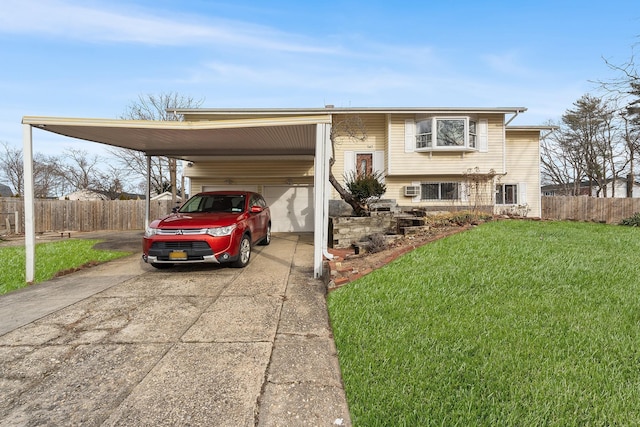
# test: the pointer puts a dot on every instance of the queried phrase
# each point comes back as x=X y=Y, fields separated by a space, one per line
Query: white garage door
x=291 y=208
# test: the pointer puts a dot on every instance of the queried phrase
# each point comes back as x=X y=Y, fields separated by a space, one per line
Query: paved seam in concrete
x=124 y=344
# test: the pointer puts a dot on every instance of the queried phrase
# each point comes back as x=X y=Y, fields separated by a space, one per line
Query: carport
x=302 y=135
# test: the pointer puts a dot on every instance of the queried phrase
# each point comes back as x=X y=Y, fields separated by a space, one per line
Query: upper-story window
x=445 y=133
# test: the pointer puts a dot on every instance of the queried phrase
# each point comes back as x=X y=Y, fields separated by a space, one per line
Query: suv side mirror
x=255 y=209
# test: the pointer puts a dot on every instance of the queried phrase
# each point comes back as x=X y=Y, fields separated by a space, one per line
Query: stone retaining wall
x=344 y=231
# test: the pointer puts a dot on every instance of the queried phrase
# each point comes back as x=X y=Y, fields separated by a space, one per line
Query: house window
x=473 y=134
x=506 y=194
x=423 y=134
x=443 y=133
x=440 y=191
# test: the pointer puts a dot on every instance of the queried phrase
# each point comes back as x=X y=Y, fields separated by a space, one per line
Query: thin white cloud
x=506 y=63
x=74 y=20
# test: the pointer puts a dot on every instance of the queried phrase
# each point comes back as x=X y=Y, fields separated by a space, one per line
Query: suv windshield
x=214 y=203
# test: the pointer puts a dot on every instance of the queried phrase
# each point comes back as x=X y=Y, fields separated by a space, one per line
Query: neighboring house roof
x=165 y=196
x=583 y=187
x=84 y=195
x=131 y=196
x=5 y=191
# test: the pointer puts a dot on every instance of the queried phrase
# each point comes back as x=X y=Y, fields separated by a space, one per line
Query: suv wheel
x=244 y=252
x=267 y=238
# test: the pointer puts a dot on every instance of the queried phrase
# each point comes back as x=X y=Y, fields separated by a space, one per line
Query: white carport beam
x=29 y=207
x=147 y=204
x=321 y=197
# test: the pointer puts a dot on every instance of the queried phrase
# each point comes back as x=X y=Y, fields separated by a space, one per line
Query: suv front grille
x=180 y=245
x=176 y=232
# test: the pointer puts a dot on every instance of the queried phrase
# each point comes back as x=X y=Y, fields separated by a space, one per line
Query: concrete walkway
x=125 y=344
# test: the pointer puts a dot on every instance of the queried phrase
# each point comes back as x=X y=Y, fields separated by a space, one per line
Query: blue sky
x=89 y=58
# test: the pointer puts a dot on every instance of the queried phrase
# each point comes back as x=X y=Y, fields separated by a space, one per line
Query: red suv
x=215 y=227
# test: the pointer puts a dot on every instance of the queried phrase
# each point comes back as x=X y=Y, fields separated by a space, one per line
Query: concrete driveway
x=125 y=344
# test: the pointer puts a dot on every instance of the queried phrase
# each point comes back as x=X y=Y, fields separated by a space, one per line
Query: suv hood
x=197 y=220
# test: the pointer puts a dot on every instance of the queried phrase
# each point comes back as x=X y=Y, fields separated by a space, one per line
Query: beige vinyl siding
x=250 y=172
x=523 y=165
x=376 y=130
x=472 y=198
x=443 y=163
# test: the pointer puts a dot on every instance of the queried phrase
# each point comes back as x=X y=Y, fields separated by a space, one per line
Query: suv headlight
x=221 y=231
x=150 y=232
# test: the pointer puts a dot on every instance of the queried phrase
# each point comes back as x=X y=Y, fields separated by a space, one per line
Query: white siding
x=523 y=168
x=402 y=162
x=376 y=132
x=249 y=172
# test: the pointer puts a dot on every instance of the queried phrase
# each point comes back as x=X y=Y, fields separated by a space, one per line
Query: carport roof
x=190 y=140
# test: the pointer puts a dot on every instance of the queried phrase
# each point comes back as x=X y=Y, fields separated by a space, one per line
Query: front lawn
x=510 y=323
x=51 y=259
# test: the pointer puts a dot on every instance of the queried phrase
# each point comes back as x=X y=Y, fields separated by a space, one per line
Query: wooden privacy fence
x=95 y=215
x=584 y=208
x=82 y=215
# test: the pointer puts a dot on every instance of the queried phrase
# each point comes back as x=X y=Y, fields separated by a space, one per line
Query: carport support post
x=147 y=204
x=321 y=196
x=29 y=207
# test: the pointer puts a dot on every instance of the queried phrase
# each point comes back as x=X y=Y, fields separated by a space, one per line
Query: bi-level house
x=431 y=158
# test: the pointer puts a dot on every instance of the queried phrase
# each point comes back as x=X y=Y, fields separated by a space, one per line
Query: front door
x=364 y=163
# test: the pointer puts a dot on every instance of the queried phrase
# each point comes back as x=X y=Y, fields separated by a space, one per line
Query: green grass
x=514 y=323
x=51 y=258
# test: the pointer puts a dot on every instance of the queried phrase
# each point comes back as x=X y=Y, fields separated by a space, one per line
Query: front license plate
x=177 y=255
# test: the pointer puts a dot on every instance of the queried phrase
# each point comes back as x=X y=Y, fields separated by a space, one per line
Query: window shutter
x=349 y=162
x=409 y=136
x=522 y=193
x=378 y=163
x=483 y=135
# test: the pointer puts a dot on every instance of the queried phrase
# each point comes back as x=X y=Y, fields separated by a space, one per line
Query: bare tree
x=582 y=126
x=625 y=90
x=560 y=163
x=154 y=107
x=348 y=129
x=134 y=164
x=590 y=145
x=47 y=176
x=12 y=167
x=112 y=182
x=80 y=169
